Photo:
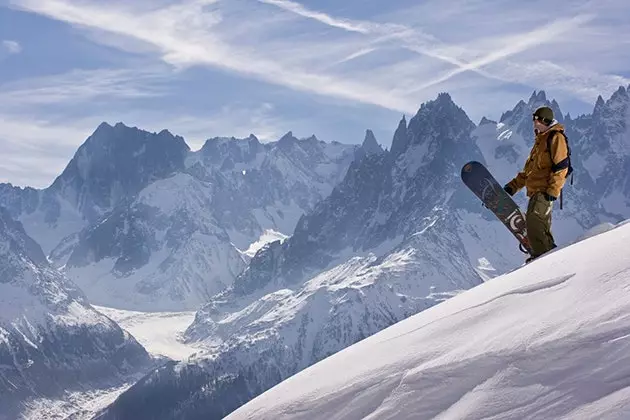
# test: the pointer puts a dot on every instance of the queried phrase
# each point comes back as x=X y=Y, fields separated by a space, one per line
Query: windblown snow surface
x=550 y=340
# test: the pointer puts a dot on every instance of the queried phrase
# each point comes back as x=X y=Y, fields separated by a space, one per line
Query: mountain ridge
x=51 y=339
x=125 y=240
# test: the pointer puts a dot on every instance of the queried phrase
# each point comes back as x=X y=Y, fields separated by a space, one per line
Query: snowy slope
x=549 y=340
x=267 y=237
x=46 y=216
x=51 y=339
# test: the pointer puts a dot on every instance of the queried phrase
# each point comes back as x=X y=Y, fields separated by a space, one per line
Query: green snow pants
x=539 y=224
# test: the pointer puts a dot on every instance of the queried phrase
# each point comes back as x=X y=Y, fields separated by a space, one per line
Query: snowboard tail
x=481 y=182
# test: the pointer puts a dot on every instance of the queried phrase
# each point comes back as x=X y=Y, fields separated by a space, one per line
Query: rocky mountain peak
x=312 y=139
x=516 y=111
x=537 y=98
x=103 y=128
x=225 y=152
x=439 y=119
x=288 y=140
x=115 y=162
x=599 y=105
x=618 y=100
x=400 y=142
x=370 y=145
x=622 y=91
x=18 y=200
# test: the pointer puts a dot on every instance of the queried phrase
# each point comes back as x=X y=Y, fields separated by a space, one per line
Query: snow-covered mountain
x=164 y=251
x=268 y=186
x=51 y=339
x=383 y=199
x=548 y=341
x=141 y=222
x=604 y=152
x=113 y=164
x=396 y=236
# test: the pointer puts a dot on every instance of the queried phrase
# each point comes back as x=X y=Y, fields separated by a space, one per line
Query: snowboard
x=481 y=182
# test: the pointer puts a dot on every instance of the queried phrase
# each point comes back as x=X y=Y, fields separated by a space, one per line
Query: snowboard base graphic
x=481 y=182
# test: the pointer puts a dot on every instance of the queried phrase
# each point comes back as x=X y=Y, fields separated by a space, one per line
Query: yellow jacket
x=537 y=174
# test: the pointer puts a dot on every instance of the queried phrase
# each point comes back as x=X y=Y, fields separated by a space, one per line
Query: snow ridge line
x=546 y=284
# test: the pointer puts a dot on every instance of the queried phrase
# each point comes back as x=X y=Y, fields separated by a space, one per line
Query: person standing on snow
x=543 y=175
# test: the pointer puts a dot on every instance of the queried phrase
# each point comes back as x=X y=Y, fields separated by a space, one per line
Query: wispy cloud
x=360 y=63
x=345 y=24
x=79 y=86
x=513 y=45
x=238 y=120
x=485 y=50
x=12 y=47
x=186 y=34
x=34 y=150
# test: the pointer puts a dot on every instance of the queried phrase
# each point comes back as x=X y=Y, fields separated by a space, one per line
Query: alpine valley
x=293 y=250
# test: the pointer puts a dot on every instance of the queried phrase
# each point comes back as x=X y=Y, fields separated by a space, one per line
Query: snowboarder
x=543 y=175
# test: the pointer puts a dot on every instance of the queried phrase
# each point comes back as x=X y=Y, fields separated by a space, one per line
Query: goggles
x=541 y=119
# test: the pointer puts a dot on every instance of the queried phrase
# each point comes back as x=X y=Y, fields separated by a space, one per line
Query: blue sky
x=205 y=68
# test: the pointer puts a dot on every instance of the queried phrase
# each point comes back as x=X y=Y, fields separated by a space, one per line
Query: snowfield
x=549 y=340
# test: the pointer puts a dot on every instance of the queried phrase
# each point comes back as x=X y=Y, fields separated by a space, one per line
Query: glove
x=508 y=190
x=549 y=197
